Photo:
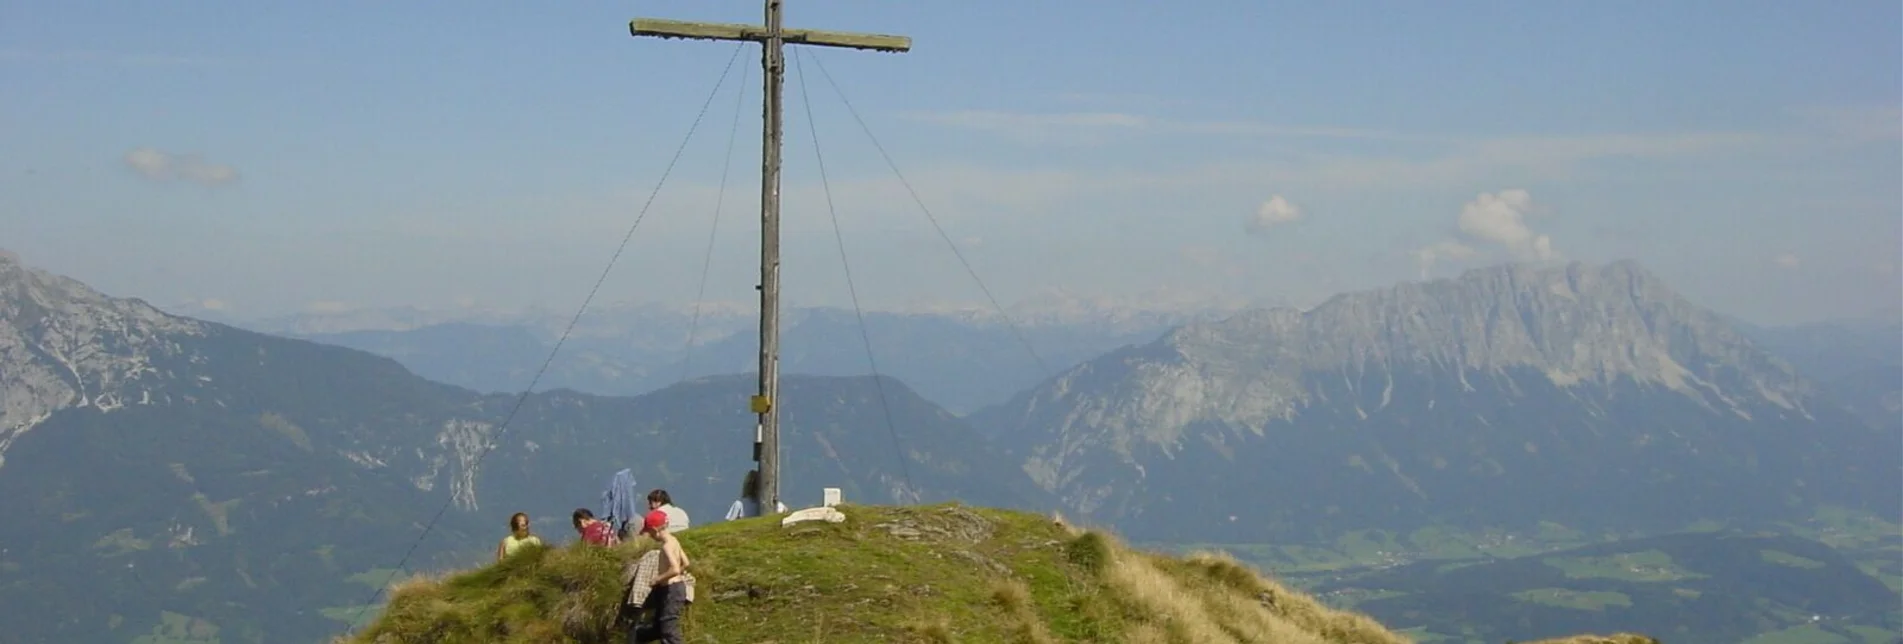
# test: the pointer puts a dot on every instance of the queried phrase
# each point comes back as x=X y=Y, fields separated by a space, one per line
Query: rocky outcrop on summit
x=1507 y=393
x=65 y=345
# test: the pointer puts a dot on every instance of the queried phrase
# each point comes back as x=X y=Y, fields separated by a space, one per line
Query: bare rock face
x=64 y=345
x=1471 y=395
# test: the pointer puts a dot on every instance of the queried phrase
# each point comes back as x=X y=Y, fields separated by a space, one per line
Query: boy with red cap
x=668 y=592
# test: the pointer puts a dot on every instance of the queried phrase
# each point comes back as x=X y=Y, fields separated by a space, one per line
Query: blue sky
x=273 y=157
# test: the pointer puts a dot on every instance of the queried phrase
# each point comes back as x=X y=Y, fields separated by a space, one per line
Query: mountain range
x=155 y=464
x=962 y=363
x=1591 y=396
x=959 y=357
x=161 y=471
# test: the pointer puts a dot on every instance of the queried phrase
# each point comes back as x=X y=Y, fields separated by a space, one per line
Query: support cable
x=1015 y=331
x=852 y=289
x=707 y=260
x=504 y=427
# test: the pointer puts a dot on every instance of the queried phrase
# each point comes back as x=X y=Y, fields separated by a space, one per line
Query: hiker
x=676 y=517
x=593 y=530
x=618 y=501
x=748 y=505
x=661 y=585
x=518 y=536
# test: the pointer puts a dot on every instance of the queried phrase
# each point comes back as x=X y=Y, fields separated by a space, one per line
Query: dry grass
x=1022 y=620
x=1620 y=638
x=1212 y=598
x=936 y=632
x=937 y=574
x=1299 y=609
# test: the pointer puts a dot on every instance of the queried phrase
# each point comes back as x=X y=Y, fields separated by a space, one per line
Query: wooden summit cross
x=766 y=440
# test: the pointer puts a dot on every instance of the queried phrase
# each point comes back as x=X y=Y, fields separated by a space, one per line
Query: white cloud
x=1274 y=212
x=1426 y=257
x=159 y=165
x=328 y=307
x=1786 y=260
x=214 y=304
x=1501 y=219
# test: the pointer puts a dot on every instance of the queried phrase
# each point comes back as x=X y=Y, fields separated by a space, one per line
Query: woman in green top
x=518 y=536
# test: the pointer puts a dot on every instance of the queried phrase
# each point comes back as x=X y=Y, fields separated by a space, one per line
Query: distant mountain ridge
x=1859 y=363
x=960 y=356
x=954 y=361
x=1507 y=393
x=1055 y=307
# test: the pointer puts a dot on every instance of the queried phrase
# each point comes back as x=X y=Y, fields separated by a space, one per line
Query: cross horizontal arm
x=727 y=31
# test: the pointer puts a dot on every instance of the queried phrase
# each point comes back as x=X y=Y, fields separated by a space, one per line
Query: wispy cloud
x=958 y=191
x=1457 y=160
x=1095 y=126
x=973 y=195
x=1456 y=164
x=111 y=58
x=159 y=165
x=1013 y=121
x=1856 y=123
x=1128 y=100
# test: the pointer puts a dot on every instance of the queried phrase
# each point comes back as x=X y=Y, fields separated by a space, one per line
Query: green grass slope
x=943 y=573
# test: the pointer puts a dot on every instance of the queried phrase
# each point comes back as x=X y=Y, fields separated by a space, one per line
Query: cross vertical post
x=767 y=440
x=772 y=36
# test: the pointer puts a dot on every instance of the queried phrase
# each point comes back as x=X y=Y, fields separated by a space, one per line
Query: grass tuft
x=1091 y=550
x=935 y=632
x=1021 y=618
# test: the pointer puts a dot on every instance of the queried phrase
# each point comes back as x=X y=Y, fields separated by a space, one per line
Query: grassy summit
x=945 y=573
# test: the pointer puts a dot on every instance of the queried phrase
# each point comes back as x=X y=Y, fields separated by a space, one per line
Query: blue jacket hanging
x=619 y=500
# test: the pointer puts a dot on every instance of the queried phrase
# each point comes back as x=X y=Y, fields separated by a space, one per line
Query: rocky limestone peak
x=63 y=344
x=1579 y=325
x=1575 y=322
